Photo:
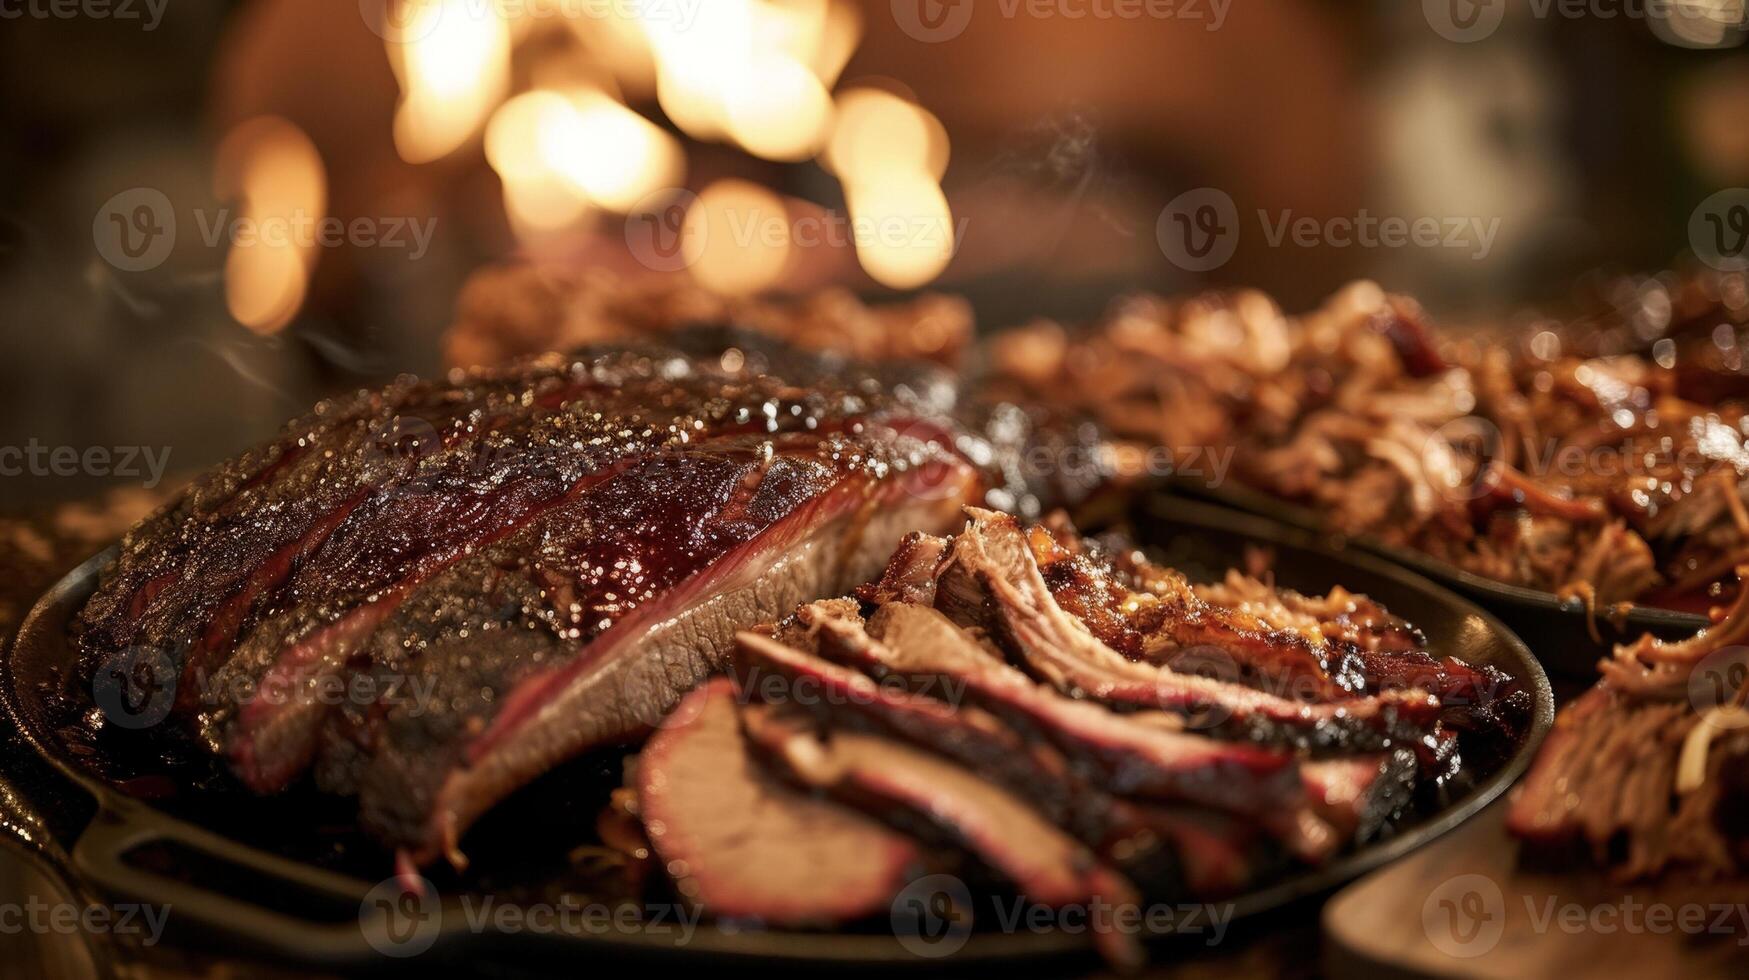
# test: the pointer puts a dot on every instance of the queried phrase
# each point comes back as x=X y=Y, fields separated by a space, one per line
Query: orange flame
x=452 y=59
x=890 y=155
x=563 y=154
x=736 y=238
x=903 y=226
x=273 y=170
x=744 y=71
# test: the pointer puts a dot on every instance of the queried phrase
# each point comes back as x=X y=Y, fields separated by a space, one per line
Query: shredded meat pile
x=519 y=308
x=1600 y=455
x=1644 y=773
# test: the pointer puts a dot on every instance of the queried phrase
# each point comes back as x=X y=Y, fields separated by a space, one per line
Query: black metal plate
x=1560 y=631
x=230 y=888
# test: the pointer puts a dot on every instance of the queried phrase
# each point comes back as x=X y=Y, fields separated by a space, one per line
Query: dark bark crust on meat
x=491 y=543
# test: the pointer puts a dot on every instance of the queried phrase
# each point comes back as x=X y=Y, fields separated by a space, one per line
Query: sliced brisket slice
x=1036 y=772
x=990 y=579
x=1144 y=755
x=1339 y=614
x=1168 y=616
x=744 y=844
x=1045 y=865
x=1219 y=854
x=1278 y=639
x=1359 y=795
x=772 y=673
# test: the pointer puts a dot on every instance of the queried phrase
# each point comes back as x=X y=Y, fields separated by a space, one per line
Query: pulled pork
x=1600 y=456
x=1644 y=773
x=521 y=308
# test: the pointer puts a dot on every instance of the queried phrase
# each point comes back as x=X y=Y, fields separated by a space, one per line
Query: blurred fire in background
x=272 y=170
x=214 y=219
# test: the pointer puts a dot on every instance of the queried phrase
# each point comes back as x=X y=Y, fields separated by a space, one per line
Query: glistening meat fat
x=957 y=700
x=550 y=555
